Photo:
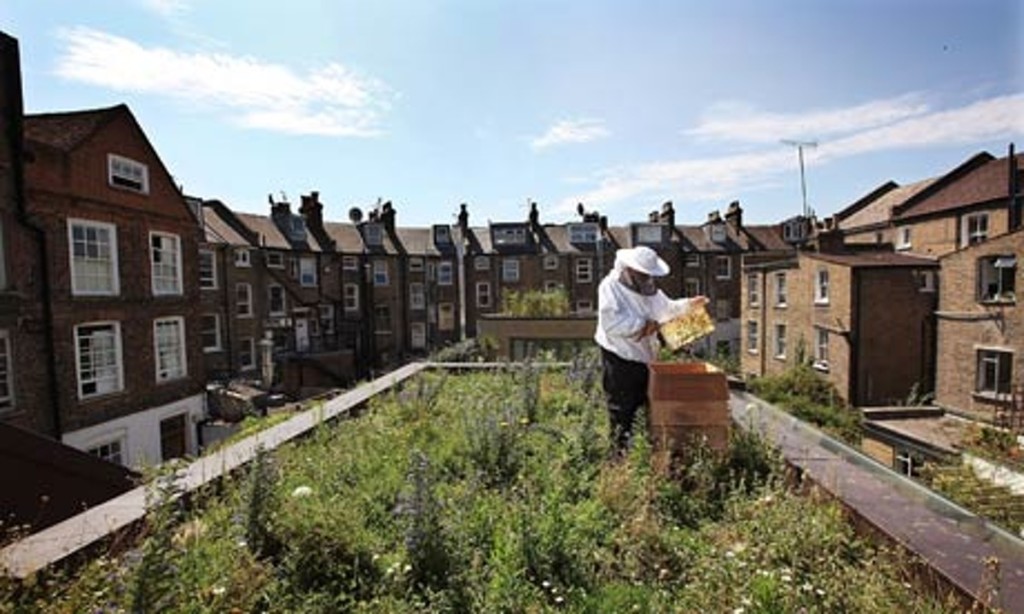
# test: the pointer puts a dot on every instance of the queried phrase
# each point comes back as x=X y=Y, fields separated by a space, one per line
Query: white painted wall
x=139 y=433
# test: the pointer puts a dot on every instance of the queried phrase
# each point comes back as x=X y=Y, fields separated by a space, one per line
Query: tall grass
x=495 y=493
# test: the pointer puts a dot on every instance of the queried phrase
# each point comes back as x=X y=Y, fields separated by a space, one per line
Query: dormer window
x=373 y=234
x=442 y=234
x=127 y=174
x=650 y=233
x=297 y=230
x=718 y=233
x=583 y=233
x=975 y=229
x=509 y=235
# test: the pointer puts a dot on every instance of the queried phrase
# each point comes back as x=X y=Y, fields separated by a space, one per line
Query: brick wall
x=966 y=325
x=59 y=186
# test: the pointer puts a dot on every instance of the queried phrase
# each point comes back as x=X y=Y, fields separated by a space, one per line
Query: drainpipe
x=17 y=141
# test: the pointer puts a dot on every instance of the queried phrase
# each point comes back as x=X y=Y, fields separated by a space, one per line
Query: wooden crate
x=688 y=402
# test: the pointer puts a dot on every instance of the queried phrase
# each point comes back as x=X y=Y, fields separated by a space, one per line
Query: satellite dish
x=355 y=215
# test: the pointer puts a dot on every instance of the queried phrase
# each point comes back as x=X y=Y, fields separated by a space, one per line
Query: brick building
x=862 y=319
x=26 y=368
x=122 y=270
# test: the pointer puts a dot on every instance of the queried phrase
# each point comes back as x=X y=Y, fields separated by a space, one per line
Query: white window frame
x=351 y=297
x=246 y=347
x=380 y=273
x=418 y=335
x=821 y=286
x=281 y=309
x=753 y=338
x=512 y=235
x=482 y=263
x=112 y=265
x=111 y=456
x=442 y=234
x=510 y=270
x=821 y=349
x=207 y=270
x=483 y=294
x=781 y=289
x=417 y=296
x=127 y=174
x=691 y=260
x=753 y=289
x=162 y=353
x=115 y=378
x=218 y=346
x=926 y=281
x=243 y=257
x=349 y=263
x=551 y=285
x=307 y=272
x=445 y=273
x=584 y=270
x=275 y=259
x=649 y=234
x=247 y=303
x=780 y=341
x=585 y=232
x=988 y=356
x=974 y=229
x=723 y=272
x=584 y=306
x=551 y=262
x=416 y=265
x=165 y=264
x=6 y=372
x=903 y=237
x=997 y=271
x=446 y=316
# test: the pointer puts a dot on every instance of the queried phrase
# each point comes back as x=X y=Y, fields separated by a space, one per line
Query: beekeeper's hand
x=650 y=327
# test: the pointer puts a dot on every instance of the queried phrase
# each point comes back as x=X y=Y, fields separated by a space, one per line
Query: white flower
x=301 y=491
x=219 y=590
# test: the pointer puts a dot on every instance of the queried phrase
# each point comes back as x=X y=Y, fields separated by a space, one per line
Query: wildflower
x=301 y=491
x=545 y=585
x=820 y=592
x=806 y=587
x=524 y=421
x=559 y=600
x=503 y=424
x=219 y=590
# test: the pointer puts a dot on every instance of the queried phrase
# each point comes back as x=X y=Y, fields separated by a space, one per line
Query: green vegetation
x=959 y=483
x=491 y=492
x=803 y=393
x=535 y=303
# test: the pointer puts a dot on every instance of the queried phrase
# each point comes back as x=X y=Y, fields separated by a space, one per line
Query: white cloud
x=709 y=179
x=739 y=122
x=571 y=131
x=331 y=100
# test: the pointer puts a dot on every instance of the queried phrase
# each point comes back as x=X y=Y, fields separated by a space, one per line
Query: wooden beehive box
x=689 y=401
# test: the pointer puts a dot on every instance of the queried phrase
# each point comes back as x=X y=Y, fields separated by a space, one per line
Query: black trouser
x=625 y=390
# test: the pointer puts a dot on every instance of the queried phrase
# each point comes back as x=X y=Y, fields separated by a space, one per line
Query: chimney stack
x=312 y=210
x=734 y=215
x=668 y=215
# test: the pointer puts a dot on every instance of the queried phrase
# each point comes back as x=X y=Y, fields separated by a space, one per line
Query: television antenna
x=800 y=154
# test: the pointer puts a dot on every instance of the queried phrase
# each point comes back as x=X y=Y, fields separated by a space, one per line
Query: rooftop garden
x=490 y=492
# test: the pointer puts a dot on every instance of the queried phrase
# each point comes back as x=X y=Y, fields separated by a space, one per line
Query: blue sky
x=621 y=105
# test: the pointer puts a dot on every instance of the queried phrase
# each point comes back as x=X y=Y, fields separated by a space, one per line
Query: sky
x=617 y=104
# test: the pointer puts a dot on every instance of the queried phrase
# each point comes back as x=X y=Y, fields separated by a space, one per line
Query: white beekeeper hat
x=643 y=259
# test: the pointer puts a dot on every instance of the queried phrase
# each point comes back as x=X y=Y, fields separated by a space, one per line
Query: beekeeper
x=629 y=309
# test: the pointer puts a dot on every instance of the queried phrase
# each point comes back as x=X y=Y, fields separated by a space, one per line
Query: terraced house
x=121 y=248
